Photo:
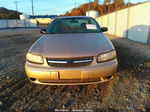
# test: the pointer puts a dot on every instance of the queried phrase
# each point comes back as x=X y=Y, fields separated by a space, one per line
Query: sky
x=50 y=7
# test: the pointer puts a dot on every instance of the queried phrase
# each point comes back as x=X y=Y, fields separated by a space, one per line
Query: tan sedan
x=72 y=51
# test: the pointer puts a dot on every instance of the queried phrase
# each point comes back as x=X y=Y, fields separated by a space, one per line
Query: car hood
x=71 y=45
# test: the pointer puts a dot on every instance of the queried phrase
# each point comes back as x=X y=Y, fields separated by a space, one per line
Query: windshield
x=73 y=25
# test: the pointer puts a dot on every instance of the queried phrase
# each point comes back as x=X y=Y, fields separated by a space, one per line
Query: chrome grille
x=69 y=62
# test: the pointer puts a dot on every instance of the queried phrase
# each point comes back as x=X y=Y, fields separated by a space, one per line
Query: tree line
x=108 y=6
x=8 y=14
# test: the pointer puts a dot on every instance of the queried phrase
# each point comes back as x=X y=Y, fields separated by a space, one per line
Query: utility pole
x=75 y=5
x=32 y=7
x=16 y=4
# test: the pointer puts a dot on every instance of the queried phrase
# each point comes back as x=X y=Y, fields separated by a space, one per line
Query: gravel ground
x=128 y=92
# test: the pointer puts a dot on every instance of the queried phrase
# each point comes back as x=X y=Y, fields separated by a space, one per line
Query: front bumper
x=98 y=73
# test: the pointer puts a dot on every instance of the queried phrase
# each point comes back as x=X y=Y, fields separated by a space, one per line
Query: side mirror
x=104 y=29
x=43 y=31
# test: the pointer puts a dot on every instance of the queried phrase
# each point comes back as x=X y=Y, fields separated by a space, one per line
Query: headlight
x=34 y=58
x=106 y=56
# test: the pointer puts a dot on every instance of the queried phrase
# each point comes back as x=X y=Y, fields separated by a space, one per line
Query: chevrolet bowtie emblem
x=70 y=61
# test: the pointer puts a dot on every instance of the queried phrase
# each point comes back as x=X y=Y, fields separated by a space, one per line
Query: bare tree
x=119 y=3
x=107 y=1
x=96 y=1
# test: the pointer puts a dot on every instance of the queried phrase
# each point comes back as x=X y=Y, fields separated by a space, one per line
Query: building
x=40 y=19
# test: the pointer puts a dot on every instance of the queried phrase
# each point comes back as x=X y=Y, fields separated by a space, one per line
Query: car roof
x=70 y=17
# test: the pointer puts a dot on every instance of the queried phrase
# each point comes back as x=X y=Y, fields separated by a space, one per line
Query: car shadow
x=128 y=59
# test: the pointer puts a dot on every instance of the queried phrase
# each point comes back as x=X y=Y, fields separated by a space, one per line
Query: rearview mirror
x=43 y=31
x=104 y=29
